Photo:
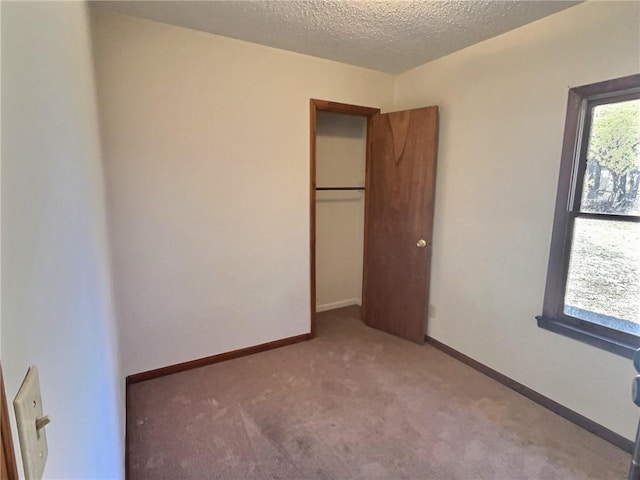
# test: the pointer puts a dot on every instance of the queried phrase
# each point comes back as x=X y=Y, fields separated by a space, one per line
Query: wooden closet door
x=399 y=221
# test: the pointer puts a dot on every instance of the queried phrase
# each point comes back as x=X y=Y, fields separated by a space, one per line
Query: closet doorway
x=371 y=207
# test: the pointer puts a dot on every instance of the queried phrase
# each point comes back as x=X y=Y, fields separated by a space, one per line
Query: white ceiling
x=391 y=36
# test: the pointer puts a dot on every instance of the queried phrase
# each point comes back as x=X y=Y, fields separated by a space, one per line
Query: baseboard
x=221 y=357
x=333 y=305
x=574 y=417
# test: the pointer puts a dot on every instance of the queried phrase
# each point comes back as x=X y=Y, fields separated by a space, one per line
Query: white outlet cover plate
x=33 y=442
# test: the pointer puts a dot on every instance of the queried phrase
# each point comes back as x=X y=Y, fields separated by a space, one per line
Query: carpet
x=353 y=403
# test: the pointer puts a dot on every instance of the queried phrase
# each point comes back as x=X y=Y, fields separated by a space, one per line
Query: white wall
x=206 y=147
x=341 y=149
x=56 y=303
x=502 y=107
x=0 y=187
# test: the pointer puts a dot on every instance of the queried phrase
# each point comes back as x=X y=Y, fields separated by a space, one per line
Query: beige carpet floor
x=354 y=403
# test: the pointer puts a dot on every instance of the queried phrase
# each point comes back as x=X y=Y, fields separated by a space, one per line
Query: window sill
x=623 y=347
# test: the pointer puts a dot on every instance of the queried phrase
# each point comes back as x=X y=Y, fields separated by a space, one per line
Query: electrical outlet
x=31 y=421
x=432 y=311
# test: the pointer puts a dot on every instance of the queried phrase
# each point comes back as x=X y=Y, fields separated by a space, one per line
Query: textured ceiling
x=390 y=36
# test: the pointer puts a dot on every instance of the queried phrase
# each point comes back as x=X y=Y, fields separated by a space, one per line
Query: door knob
x=421 y=243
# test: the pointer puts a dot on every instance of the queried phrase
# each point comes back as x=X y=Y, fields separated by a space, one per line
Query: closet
x=377 y=253
x=341 y=147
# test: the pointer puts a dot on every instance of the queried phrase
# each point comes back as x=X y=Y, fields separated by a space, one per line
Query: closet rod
x=340 y=188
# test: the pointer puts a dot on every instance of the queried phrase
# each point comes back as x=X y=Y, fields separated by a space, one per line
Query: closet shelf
x=340 y=188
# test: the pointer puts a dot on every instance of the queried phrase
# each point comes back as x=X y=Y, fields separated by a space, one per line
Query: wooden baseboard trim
x=221 y=357
x=574 y=417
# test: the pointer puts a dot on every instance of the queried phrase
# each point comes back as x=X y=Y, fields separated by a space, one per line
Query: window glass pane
x=603 y=284
x=613 y=160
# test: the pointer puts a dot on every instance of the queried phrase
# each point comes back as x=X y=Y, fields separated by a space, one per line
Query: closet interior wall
x=341 y=143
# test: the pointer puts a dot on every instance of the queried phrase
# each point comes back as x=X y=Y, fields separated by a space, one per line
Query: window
x=593 y=278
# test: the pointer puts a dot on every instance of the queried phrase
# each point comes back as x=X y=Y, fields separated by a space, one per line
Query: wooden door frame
x=9 y=465
x=346 y=109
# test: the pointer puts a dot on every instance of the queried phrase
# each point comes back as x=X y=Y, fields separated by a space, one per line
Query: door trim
x=346 y=109
x=9 y=464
